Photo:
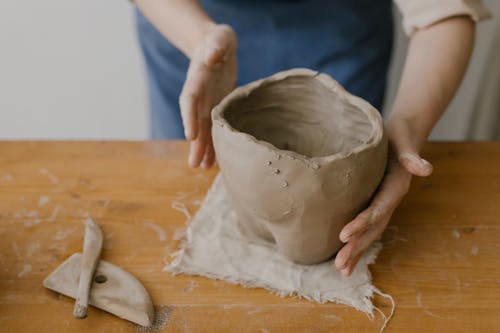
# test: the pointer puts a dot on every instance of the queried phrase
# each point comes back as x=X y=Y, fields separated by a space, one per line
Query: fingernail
x=187 y=134
x=345 y=272
x=344 y=237
x=425 y=162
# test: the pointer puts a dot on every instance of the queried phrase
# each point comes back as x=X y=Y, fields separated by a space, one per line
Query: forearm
x=436 y=62
x=183 y=22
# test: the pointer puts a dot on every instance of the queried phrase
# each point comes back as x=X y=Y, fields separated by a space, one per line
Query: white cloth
x=216 y=247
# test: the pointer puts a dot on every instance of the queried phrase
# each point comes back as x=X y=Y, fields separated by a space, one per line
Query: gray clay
x=300 y=157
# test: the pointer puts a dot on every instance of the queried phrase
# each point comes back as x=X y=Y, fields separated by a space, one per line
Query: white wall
x=72 y=69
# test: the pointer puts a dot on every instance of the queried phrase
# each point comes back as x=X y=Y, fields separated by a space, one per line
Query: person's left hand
x=368 y=226
x=211 y=76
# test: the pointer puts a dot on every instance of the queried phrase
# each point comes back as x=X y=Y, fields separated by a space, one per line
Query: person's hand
x=211 y=76
x=368 y=226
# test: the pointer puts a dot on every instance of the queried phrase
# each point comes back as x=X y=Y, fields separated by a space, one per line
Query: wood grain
x=440 y=259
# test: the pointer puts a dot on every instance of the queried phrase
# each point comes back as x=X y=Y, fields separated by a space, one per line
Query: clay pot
x=300 y=157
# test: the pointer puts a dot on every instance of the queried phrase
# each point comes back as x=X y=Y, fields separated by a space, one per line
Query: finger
x=347 y=271
x=342 y=257
x=415 y=164
x=188 y=103
x=196 y=151
x=198 y=146
x=390 y=193
x=352 y=249
x=383 y=204
x=360 y=223
x=348 y=257
x=209 y=158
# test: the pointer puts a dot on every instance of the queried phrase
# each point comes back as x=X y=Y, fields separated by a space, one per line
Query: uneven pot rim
x=373 y=139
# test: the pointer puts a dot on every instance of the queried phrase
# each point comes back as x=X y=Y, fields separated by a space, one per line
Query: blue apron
x=351 y=40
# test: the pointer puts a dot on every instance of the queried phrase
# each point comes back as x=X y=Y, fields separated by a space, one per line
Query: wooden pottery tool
x=92 y=246
x=99 y=283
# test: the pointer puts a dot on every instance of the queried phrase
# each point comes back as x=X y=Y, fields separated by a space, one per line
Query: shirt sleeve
x=419 y=14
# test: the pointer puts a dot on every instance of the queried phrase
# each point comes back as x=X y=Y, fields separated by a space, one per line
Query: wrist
x=200 y=33
x=406 y=130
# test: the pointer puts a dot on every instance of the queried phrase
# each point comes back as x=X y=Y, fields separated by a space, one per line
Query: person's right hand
x=211 y=76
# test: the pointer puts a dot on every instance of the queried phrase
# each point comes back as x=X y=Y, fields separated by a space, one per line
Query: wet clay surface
x=300 y=157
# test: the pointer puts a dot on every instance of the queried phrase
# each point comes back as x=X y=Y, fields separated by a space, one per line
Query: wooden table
x=440 y=259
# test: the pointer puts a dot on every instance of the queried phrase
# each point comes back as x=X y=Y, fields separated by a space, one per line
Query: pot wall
x=298 y=202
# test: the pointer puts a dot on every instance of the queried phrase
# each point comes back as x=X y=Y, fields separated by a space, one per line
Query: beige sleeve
x=418 y=14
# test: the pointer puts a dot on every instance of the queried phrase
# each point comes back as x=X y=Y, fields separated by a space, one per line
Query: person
x=197 y=51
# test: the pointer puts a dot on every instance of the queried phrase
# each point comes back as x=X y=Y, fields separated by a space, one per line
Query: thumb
x=403 y=140
x=414 y=164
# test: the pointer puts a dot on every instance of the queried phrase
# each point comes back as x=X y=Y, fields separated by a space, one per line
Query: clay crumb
x=44 y=199
x=53 y=178
x=332 y=317
x=62 y=234
x=33 y=222
x=277 y=171
x=474 y=250
x=54 y=213
x=456 y=233
x=15 y=249
x=315 y=166
x=7 y=177
x=26 y=269
x=269 y=162
x=284 y=183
